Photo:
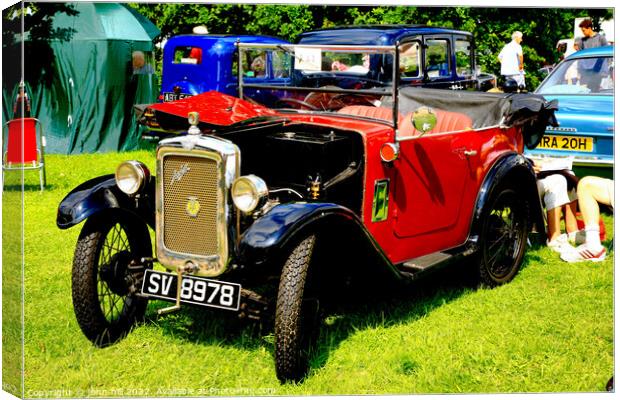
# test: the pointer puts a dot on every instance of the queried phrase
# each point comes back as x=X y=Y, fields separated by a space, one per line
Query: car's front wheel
x=295 y=313
x=503 y=238
x=104 y=284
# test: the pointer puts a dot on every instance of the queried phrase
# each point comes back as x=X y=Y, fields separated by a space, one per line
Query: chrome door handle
x=470 y=153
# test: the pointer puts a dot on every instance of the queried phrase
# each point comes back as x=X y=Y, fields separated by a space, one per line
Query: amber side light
x=389 y=152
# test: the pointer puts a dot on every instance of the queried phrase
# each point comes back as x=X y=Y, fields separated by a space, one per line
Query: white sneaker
x=559 y=244
x=582 y=253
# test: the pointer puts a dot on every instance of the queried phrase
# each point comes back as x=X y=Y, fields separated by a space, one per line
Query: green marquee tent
x=84 y=91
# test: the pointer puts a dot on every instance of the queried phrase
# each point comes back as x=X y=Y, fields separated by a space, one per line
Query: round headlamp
x=249 y=192
x=131 y=176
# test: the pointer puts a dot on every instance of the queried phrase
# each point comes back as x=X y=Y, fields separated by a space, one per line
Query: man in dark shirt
x=589 y=69
x=590 y=38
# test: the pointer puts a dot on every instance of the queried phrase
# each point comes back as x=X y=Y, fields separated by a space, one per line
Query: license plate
x=194 y=290
x=170 y=96
x=568 y=143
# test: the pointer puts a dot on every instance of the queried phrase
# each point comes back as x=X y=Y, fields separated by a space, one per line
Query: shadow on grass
x=207 y=327
x=388 y=307
x=27 y=187
x=348 y=312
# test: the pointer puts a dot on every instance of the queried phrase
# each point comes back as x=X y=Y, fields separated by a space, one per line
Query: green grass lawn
x=550 y=330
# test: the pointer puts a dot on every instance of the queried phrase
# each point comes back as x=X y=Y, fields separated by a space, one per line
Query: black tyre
x=503 y=238
x=294 y=321
x=104 y=301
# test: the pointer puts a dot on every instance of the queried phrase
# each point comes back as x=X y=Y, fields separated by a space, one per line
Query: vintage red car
x=259 y=210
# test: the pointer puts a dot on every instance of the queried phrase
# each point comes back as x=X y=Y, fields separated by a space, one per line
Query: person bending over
x=558 y=199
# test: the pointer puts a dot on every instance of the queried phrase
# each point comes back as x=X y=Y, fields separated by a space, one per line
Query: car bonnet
x=215 y=109
x=585 y=114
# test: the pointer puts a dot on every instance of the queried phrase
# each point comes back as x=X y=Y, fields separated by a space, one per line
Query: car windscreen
x=336 y=62
x=320 y=78
x=591 y=75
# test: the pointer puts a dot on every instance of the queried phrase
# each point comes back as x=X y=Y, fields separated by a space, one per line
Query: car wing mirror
x=424 y=120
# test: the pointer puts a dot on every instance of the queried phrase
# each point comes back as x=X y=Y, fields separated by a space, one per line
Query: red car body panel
x=433 y=183
x=433 y=187
x=224 y=110
x=429 y=183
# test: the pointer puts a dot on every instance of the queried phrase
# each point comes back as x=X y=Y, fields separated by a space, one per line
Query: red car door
x=431 y=179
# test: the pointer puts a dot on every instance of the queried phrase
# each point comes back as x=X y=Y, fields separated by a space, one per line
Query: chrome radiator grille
x=191 y=203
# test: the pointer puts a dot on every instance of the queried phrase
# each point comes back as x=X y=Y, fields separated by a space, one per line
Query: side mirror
x=424 y=120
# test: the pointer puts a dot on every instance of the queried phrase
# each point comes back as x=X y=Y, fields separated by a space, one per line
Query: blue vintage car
x=194 y=64
x=428 y=56
x=583 y=85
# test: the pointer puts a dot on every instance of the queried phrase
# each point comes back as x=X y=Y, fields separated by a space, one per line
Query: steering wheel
x=301 y=105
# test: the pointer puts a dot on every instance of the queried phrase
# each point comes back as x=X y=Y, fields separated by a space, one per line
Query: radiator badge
x=178 y=174
x=192 y=207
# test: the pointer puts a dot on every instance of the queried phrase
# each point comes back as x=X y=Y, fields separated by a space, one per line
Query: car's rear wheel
x=295 y=313
x=503 y=238
x=103 y=284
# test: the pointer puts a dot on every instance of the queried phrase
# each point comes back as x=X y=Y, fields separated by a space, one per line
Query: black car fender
x=102 y=193
x=270 y=236
x=512 y=170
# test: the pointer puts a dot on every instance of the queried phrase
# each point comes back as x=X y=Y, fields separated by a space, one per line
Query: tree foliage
x=492 y=27
x=37 y=20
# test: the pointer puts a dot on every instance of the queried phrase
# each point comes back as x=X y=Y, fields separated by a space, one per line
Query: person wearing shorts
x=558 y=199
x=591 y=191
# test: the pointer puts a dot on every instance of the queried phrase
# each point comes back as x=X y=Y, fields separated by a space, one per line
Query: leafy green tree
x=38 y=29
x=37 y=20
x=492 y=27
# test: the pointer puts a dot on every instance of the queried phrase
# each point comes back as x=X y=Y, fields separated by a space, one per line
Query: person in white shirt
x=511 y=58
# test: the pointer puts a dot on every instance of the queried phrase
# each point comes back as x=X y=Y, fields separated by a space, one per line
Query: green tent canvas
x=85 y=95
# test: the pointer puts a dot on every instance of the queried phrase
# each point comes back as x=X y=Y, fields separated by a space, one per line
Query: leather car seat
x=447 y=121
x=383 y=113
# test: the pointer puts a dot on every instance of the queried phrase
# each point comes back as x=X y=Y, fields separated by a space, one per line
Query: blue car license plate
x=194 y=290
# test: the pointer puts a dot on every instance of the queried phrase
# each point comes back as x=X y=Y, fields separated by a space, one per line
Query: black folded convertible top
x=532 y=111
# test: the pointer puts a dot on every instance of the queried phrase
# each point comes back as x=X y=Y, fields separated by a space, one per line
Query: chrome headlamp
x=131 y=176
x=249 y=192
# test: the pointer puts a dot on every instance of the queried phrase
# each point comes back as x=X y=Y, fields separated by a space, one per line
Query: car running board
x=416 y=267
x=427 y=261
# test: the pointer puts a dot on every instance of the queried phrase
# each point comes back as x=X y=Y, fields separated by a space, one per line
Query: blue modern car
x=583 y=84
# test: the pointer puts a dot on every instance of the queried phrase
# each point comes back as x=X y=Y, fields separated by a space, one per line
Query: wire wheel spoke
x=499 y=241
x=115 y=311
x=502 y=239
x=495 y=255
x=111 y=303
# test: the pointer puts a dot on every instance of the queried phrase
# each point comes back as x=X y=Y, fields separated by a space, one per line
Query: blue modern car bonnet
x=582 y=115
